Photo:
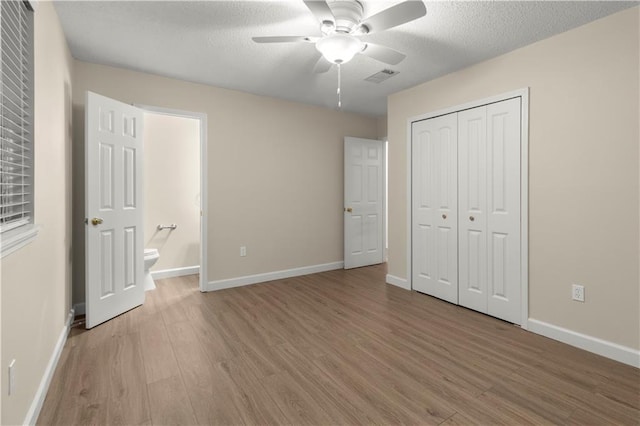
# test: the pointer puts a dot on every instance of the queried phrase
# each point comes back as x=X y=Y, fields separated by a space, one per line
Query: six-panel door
x=113 y=192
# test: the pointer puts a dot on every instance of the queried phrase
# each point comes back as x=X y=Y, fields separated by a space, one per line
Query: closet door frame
x=524 y=186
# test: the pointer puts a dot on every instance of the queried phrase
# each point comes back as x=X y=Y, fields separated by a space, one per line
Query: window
x=16 y=124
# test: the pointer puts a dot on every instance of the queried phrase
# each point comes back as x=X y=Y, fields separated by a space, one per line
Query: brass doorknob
x=471 y=218
x=96 y=221
x=444 y=216
x=348 y=209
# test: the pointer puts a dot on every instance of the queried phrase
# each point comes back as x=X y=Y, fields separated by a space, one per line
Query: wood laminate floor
x=334 y=348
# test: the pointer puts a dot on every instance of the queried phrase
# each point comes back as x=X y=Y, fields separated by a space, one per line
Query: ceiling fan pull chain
x=339 y=84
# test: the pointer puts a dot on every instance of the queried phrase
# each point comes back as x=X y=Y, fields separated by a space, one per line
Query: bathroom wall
x=36 y=279
x=583 y=169
x=172 y=189
x=275 y=170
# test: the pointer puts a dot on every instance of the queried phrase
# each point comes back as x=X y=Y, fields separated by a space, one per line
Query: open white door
x=363 y=202
x=113 y=197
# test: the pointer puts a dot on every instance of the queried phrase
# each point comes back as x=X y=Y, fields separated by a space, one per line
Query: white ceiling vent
x=381 y=76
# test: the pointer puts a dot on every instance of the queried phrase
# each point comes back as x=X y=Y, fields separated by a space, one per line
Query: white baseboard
x=79 y=309
x=605 y=348
x=41 y=393
x=270 y=276
x=175 y=272
x=398 y=282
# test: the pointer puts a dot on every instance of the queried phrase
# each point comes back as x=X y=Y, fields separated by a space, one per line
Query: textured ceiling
x=210 y=42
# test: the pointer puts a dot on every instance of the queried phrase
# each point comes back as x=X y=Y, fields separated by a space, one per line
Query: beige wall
x=172 y=189
x=583 y=169
x=382 y=127
x=36 y=282
x=275 y=170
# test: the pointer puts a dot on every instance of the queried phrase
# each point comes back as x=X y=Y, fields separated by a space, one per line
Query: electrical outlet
x=577 y=292
x=12 y=377
x=243 y=251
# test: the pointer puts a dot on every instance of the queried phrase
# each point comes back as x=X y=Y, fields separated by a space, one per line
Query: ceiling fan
x=341 y=24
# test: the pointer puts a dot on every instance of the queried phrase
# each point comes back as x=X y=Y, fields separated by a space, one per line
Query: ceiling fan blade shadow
x=285 y=39
x=383 y=54
x=322 y=65
x=395 y=15
x=320 y=10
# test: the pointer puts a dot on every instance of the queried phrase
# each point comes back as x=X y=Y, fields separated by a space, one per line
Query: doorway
x=175 y=191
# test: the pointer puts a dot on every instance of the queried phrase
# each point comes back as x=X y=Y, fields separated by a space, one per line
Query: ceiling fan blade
x=383 y=54
x=285 y=39
x=395 y=15
x=322 y=65
x=320 y=10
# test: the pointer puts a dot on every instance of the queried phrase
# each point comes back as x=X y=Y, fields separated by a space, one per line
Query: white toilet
x=151 y=256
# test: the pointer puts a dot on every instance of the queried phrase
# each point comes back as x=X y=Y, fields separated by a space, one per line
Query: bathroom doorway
x=175 y=192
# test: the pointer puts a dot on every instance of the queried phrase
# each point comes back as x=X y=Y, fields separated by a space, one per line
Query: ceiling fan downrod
x=339 y=84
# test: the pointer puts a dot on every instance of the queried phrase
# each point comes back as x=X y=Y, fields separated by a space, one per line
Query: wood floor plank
x=299 y=407
x=159 y=359
x=169 y=403
x=128 y=398
x=208 y=390
x=339 y=347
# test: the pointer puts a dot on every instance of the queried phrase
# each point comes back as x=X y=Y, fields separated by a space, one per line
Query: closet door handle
x=471 y=218
x=444 y=216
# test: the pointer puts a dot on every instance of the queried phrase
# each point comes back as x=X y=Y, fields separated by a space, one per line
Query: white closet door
x=503 y=215
x=434 y=209
x=472 y=185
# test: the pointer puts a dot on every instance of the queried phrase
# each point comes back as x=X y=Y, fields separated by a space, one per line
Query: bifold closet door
x=434 y=207
x=489 y=209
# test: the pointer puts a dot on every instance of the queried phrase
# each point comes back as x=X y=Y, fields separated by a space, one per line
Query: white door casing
x=434 y=207
x=363 y=202
x=113 y=207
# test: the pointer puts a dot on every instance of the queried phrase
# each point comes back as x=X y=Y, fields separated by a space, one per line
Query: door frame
x=524 y=186
x=202 y=118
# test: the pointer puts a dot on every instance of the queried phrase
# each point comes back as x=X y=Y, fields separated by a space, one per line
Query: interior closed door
x=472 y=205
x=489 y=206
x=503 y=210
x=434 y=207
x=113 y=196
x=364 y=202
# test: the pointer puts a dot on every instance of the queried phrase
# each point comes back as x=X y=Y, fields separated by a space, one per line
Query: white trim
x=41 y=393
x=524 y=185
x=398 y=282
x=270 y=276
x=524 y=208
x=15 y=239
x=79 y=309
x=598 y=346
x=175 y=272
x=204 y=215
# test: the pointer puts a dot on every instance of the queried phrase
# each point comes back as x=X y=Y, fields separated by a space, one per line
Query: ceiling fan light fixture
x=339 y=48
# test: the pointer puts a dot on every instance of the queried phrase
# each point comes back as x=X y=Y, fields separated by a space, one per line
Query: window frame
x=19 y=235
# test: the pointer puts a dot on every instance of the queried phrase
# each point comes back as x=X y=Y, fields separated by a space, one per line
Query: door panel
x=472 y=185
x=364 y=195
x=113 y=173
x=434 y=207
x=503 y=219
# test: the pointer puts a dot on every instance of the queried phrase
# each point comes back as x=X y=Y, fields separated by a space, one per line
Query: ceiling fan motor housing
x=348 y=14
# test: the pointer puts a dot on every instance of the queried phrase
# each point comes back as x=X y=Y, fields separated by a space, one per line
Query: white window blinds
x=16 y=112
